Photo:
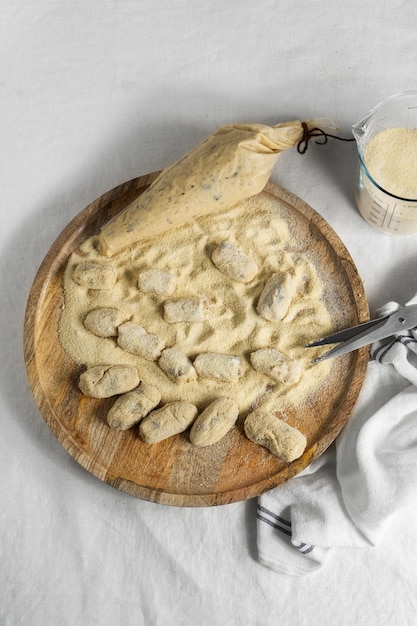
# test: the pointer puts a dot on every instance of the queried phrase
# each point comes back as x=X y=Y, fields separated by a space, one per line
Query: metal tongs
x=361 y=335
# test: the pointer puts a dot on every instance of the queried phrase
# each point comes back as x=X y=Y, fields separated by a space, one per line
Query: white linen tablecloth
x=93 y=94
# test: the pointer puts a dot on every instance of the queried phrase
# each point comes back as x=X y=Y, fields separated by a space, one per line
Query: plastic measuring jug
x=387 y=210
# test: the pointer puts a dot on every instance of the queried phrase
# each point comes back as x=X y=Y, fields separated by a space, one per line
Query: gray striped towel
x=350 y=495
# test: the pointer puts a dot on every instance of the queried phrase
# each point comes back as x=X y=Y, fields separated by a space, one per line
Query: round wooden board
x=174 y=472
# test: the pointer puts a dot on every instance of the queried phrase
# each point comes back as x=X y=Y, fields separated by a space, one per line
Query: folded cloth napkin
x=349 y=496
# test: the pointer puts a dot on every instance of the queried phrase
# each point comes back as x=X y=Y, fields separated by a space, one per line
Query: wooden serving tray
x=175 y=472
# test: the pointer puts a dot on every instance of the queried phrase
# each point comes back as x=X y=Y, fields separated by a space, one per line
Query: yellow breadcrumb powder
x=391 y=160
x=231 y=325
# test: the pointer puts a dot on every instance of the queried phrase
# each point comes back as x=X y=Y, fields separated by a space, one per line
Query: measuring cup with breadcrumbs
x=386 y=186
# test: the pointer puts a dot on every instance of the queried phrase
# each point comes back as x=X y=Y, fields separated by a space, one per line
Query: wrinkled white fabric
x=350 y=496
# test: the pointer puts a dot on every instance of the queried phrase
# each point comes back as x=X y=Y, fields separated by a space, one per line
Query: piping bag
x=233 y=163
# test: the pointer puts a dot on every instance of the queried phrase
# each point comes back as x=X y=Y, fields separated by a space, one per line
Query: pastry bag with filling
x=232 y=164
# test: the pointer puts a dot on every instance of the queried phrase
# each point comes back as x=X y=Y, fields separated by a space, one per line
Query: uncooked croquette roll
x=266 y=429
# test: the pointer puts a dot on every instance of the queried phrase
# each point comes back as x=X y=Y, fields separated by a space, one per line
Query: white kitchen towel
x=349 y=496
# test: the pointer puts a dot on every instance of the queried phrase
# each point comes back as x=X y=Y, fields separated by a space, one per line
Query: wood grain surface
x=175 y=472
